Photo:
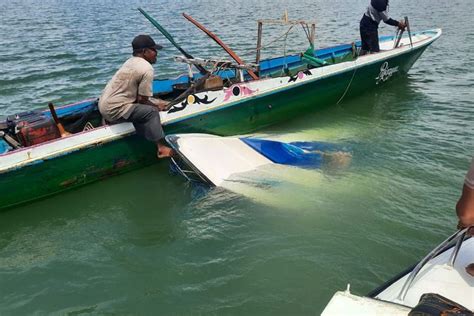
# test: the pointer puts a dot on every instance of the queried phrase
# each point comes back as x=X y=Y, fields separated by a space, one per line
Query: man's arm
x=145 y=91
x=390 y=21
x=465 y=205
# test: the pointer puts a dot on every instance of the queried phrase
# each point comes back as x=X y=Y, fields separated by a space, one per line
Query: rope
x=308 y=36
x=285 y=36
x=305 y=27
x=271 y=42
x=347 y=88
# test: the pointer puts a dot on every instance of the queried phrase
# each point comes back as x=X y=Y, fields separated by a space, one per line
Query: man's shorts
x=370 y=39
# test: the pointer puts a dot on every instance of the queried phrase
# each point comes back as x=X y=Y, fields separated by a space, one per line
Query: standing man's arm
x=390 y=21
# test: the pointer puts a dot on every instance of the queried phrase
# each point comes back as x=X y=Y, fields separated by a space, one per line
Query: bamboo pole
x=259 y=44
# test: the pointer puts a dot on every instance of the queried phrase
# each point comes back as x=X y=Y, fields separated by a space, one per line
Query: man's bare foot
x=165 y=152
x=470 y=269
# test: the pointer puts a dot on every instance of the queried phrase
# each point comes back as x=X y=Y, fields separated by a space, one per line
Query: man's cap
x=144 y=41
x=379 y=5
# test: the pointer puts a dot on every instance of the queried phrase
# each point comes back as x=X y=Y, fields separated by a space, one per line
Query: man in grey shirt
x=376 y=11
x=127 y=95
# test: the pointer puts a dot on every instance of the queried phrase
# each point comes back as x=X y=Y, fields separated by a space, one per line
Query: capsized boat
x=442 y=273
x=214 y=159
x=36 y=160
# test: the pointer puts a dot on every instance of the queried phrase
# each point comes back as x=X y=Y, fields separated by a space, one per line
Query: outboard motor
x=30 y=128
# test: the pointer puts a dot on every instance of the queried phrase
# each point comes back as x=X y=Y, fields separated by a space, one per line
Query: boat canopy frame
x=309 y=28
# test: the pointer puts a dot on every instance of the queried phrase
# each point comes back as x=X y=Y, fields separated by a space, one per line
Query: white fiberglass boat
x=442 y=272
x=214 y=159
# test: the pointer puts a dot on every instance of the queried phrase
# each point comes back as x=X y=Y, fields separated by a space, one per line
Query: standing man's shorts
x=147 y=122
x=370 y=39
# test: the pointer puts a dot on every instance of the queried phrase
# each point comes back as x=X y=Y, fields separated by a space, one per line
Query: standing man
x=465 y=207
x=127 y=95
x=376 y=11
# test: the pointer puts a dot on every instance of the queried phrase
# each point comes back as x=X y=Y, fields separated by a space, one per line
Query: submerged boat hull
x=214 y=160
x=27 y=175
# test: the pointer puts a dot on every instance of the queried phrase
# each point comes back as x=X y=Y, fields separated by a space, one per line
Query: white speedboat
x=441 y=272
x=214 y=159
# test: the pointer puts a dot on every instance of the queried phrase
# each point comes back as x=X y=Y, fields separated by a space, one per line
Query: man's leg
x=373 y=41
x=370 y=40
x=365 y=49
x=147 y=122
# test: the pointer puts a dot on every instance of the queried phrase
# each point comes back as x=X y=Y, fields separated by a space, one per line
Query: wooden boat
x=441 y=272
x=287 y=87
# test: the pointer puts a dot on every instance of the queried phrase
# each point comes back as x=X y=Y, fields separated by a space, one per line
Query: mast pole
x=259 y=45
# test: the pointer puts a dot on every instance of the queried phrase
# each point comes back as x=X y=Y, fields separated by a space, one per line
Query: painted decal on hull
x=300 y=75
x=237 y=90
x=191 y=99
x=385 y=72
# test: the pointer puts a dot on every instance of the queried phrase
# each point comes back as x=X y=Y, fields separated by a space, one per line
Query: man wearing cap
x=127 y=95
x=376 y=11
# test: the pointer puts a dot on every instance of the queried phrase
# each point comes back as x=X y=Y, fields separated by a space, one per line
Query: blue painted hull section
x=299 y=154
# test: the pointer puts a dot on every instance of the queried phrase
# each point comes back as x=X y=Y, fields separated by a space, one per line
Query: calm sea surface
x=147 y=243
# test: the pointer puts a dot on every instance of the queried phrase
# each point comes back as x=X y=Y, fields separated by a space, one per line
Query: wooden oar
x=221 y=43
x=170 y=38
x=60 y=126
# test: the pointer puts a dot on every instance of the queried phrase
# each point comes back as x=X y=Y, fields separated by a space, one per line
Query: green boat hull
x=97 y=162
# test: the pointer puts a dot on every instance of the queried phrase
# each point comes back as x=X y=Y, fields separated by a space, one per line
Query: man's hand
x=162 y=105
x=401 y=25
